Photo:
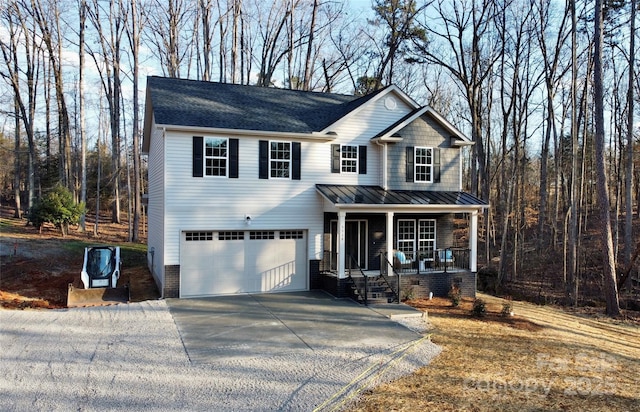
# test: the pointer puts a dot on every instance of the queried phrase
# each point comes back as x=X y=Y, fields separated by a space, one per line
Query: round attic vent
x=390 y=103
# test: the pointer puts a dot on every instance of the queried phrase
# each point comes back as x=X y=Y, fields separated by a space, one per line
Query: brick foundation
x=416 y=286
x=171 y=281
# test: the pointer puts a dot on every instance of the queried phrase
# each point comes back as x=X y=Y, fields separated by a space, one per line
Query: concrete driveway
x=282 y=323
x=283 y=352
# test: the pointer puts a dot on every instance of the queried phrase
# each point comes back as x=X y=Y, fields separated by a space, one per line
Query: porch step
x=378 y=291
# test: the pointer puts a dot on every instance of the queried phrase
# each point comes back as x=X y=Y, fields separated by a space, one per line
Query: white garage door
x=231 y=262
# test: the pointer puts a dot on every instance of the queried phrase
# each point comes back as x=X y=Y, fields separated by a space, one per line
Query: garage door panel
x=249 y=265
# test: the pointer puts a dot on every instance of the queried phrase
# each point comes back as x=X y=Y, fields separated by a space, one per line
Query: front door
x=355 y=240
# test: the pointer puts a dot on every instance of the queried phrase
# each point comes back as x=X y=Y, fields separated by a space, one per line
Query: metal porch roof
x=341 y=195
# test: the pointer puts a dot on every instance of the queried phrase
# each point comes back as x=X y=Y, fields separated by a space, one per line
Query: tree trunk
x=16 y=165
x=572 y=272
x=307 y=60
x=83 y=139
x=611 y=289
x=628 y=232
x=135 y=43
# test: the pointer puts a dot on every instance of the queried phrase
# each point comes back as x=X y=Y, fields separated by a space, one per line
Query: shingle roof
x=181 y=102
x=375 y=195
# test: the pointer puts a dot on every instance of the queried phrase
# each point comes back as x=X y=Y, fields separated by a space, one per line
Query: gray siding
x=424 y=132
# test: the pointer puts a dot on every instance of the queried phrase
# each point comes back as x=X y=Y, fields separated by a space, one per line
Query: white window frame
x=349 y=164
x=273 y=171
x=406 y=239
x=423 y=170
x=423 y=242
x=216 y=157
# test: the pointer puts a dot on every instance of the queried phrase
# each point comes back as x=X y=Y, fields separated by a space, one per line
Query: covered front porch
x=432 y=237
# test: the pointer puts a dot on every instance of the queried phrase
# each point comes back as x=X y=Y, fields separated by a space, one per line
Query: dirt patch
x=37 y=268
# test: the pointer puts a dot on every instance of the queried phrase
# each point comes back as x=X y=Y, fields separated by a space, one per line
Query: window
x=416 y=236
x=198 y=236
x=292 y=234
x=424 y=164
x=426 y=235
x=349 y=159
x=231 y=236
x=406 y=236
x=280 y=160
x=261 y=235
x=215 y=156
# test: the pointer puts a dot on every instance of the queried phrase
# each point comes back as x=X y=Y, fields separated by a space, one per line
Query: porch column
x=341 y=244
x=473 y=242
x=390 y=242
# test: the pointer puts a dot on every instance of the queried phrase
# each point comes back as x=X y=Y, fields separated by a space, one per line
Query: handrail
x=384 y=277
x=351 y=260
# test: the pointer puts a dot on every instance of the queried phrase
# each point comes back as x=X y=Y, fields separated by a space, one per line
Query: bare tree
x=133 y=31
x=19 y=31
x=167 y=22
x=609 y=264
x=553 y=72
x=628 y=232
x=308 y=60
x=272 y=26
x=462 y=43
x=108 y=61
x=237 y=13
x=83 y=137
x=48 y=20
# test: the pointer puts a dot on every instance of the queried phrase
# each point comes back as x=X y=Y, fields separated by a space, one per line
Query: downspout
x=384 y=184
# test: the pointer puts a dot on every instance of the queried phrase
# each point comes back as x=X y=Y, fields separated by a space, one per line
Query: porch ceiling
x=352 y=196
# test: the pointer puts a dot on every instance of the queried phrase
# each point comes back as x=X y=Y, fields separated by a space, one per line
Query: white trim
x=473 y=242
x=357 y=159
x=413 y=234
x=361 y=242
x=429 y=165
x=390 y=236
x=205 y=157
x=341 y=244
x=390 y=89
x=314 y=136
x=435 y=233
x=462 y=140
x=290 y=160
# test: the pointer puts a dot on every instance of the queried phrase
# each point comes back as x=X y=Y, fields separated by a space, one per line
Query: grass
x=541 y=359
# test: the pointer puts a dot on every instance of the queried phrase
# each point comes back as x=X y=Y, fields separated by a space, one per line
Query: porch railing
x=417 y=262
x=352 y=268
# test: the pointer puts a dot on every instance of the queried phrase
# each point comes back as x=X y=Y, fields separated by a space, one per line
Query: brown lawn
x=543 y=358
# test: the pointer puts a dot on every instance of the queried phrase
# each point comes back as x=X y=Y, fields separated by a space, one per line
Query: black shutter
x=264 y=160
x=233 y=158
x=335 y=158
x=295 y=160
x=410 y=164
x=436 y=165
x=362 y=160
x=197 y=156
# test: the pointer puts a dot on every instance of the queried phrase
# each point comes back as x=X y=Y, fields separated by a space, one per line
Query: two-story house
x=264 y=190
